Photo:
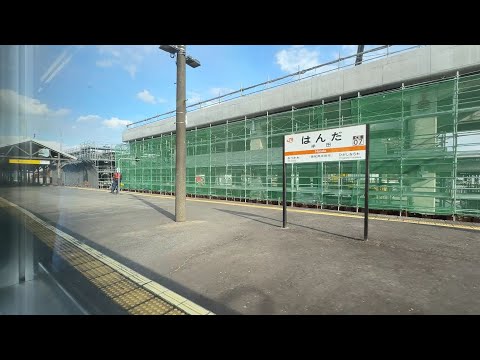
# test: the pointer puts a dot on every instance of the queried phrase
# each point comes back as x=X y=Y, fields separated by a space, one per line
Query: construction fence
x=424 y=154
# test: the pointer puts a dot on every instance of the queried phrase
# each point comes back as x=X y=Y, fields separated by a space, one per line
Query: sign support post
x=367 y=181
x=284 y=202
x=348 y=143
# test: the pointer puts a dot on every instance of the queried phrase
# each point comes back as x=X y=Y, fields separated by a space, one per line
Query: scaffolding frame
x=101 y=156
x=425 y=154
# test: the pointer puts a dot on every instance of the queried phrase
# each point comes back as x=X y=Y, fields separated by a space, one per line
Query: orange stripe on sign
x=330 y=150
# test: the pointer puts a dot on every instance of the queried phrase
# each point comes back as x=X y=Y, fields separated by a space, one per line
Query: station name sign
x=342 y=144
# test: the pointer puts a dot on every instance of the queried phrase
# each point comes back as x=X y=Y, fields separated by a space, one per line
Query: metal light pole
x=181 y=144
x=180 y=128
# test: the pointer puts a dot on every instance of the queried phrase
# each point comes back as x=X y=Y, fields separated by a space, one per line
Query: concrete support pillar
x=422 y=131
x=260 y=142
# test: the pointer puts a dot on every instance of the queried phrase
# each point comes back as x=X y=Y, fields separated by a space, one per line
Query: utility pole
x=181 y=144
x=58 y=169
x=180 y=128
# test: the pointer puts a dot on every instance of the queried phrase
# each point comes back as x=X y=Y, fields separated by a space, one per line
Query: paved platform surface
x=98 y=283
x=40 y=296
x=236 y=259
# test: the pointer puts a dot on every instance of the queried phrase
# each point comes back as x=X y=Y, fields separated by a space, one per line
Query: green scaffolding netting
x=424 y=151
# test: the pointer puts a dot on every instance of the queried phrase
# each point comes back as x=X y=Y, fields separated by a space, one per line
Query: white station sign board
x=342 y=144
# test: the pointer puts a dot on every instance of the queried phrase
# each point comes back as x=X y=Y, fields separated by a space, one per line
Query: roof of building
x=39 y=143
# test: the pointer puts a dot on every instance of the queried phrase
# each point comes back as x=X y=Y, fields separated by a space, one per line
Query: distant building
x=31 y=162
x=95 y=167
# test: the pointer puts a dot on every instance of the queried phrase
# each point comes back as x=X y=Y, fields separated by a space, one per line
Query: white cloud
x=26 y=116
x=193 y=97
x=61 y=112
x=349 y=49
x=295 y=57
x=12 y=102
x=147 y=49
x=89 y=118
x=111 y=123
x=109 y=50
x=129 y=58
x=131 y=69
x=218 y=91
x=145 y=96
x=9 y=140
x=114 y=122
x=104 y=63
x=53 y=144
x=161 y=100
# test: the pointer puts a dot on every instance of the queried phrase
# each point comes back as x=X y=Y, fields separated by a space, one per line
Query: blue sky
x=89 y=93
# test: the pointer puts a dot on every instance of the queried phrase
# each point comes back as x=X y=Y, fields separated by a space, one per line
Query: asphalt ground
x=234 y=258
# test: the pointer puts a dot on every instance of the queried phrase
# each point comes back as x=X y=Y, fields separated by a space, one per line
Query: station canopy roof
x=32 y=149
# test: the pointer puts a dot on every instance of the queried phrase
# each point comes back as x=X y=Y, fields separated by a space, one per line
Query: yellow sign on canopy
x=29 y=161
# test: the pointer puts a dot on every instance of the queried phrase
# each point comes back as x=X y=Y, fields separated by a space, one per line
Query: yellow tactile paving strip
x=132 y=291
x=119 y=288
x=152 y=307
x=107 y=280
x=132 y=298
x=176 y=312
x=314 y=212
x=89 y=265
x=94 y=273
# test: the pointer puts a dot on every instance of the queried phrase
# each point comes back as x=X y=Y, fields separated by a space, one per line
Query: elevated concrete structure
x=422 y=64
